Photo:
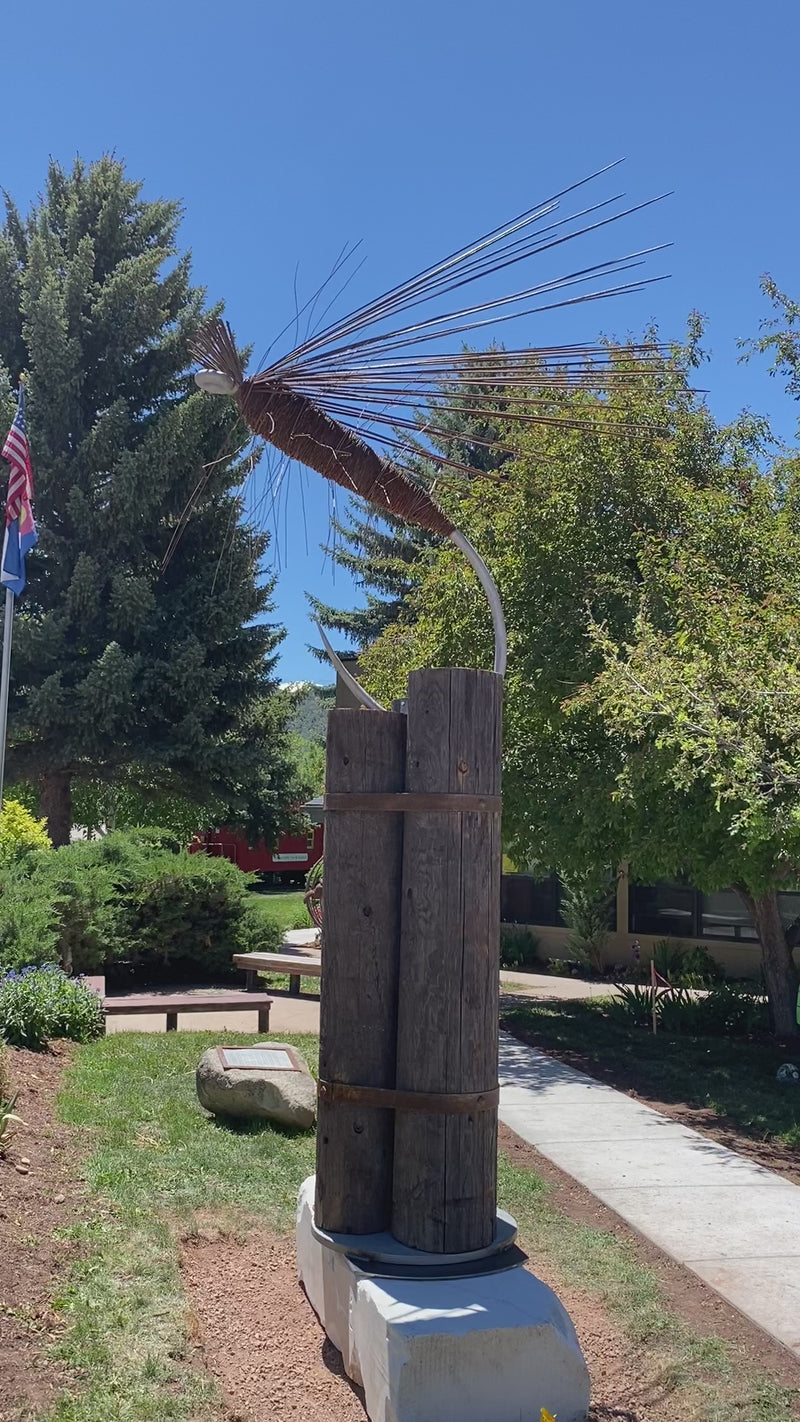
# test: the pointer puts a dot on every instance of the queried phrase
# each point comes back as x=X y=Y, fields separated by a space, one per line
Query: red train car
x=287 y=862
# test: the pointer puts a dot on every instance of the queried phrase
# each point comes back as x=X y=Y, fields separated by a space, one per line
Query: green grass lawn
x=156 y=1168
x=734 y=1078
x=284 y=907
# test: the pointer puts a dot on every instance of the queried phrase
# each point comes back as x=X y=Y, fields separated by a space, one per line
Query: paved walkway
x=547 y=985
x=734 y=1224
x=287 y=1015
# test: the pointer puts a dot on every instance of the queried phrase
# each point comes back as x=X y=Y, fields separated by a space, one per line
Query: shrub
x=560 y=967
x=586 y=908
x=20 y=831
x=686 y=967
x=634 y=1001
x=519 y=949
x=191 y=912
x=38 y=1004
x=699 y=969
x=29 y=932
x=728 y=1010
x=125 y=898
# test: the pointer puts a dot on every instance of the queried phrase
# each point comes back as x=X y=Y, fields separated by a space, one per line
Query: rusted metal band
x=342 y=1093
x=421 y=803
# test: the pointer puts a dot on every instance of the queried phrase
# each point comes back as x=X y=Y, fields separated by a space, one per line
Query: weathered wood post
x=445 y=1166
x=358 y=1006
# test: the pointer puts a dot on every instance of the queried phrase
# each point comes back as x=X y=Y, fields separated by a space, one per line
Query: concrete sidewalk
x=548 y=985
x=734 y=1224
x=287 y=1015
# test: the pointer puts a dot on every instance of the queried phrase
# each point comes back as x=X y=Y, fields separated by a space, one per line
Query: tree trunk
x=55 y=804
x=780 y=973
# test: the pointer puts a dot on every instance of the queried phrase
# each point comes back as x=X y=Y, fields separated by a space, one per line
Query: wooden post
x=358 y=997
x=445 y=1169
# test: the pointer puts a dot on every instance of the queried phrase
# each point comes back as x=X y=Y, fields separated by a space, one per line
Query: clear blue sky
x=287 y=129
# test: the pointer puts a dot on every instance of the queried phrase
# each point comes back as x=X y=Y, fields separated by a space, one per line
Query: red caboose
x=287 y=862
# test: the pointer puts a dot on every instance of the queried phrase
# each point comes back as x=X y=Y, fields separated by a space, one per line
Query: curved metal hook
x=489 y=586
x=347 y=677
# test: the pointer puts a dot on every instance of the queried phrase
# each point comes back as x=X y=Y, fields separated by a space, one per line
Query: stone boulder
x=287 y=1097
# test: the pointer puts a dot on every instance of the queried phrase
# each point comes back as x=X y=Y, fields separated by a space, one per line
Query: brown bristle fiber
x=296 y=426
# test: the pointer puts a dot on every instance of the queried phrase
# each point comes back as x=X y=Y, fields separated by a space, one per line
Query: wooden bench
x=173 y=1003
x=292 y=963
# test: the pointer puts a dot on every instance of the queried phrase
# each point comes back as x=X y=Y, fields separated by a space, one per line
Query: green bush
x=587 y=908
x=699 y=969
x=728 y=1010
x=192 y=911
x=686 y=967
x=39 y=1004
x=560 y=967
x=126 y=898
x=519 y=948
x=634 y=1001
x=20 y=832
x=29 y=931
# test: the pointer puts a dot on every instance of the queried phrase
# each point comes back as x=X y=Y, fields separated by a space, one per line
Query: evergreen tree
x=386 y=556
x=124 y=670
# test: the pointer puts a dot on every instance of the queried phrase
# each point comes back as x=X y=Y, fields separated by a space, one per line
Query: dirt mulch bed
x=259 y=1335
x=264 y=1344
x=773 y=1155
x=38 y=1198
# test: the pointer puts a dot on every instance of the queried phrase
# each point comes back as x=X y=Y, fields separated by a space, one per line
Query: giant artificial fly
x=341 y=400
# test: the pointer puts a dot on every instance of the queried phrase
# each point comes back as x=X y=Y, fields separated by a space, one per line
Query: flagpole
x=5 y=678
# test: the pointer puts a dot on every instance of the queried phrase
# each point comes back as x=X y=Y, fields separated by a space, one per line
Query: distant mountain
x=310 y=709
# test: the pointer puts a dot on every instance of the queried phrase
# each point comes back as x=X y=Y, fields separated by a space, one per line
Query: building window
x=663 y=910
x=528 y=900
x=723 y=915
x=681 y=911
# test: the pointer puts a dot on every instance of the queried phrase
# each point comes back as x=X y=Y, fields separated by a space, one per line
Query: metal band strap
x=342 y=1093
x=409 y=803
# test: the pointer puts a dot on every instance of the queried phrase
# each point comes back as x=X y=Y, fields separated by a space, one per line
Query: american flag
x=21 y=532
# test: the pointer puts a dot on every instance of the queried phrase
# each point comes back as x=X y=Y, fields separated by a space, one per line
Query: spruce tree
x=123 y=668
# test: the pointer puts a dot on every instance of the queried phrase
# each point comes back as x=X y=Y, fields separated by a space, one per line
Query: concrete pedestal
x=494 y=1348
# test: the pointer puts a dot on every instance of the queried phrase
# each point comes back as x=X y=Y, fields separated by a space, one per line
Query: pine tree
x=385 y=556
x=121 y=668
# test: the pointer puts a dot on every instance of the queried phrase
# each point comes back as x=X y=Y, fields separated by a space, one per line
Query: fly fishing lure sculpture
x=406 y=1183
x=340 y=401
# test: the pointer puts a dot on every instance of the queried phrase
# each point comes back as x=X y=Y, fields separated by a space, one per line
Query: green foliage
x=40 y=1004
x=30 y=927
x=20 y=831
x=587 y=906
x=649 y=567
x=560 y=967
x=308 y=759
x=155 y=681
x=519 y=948
x=683 y=966
x=635 y=1001
x=310 y=704
x=728 y=1010
x=130 y=898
